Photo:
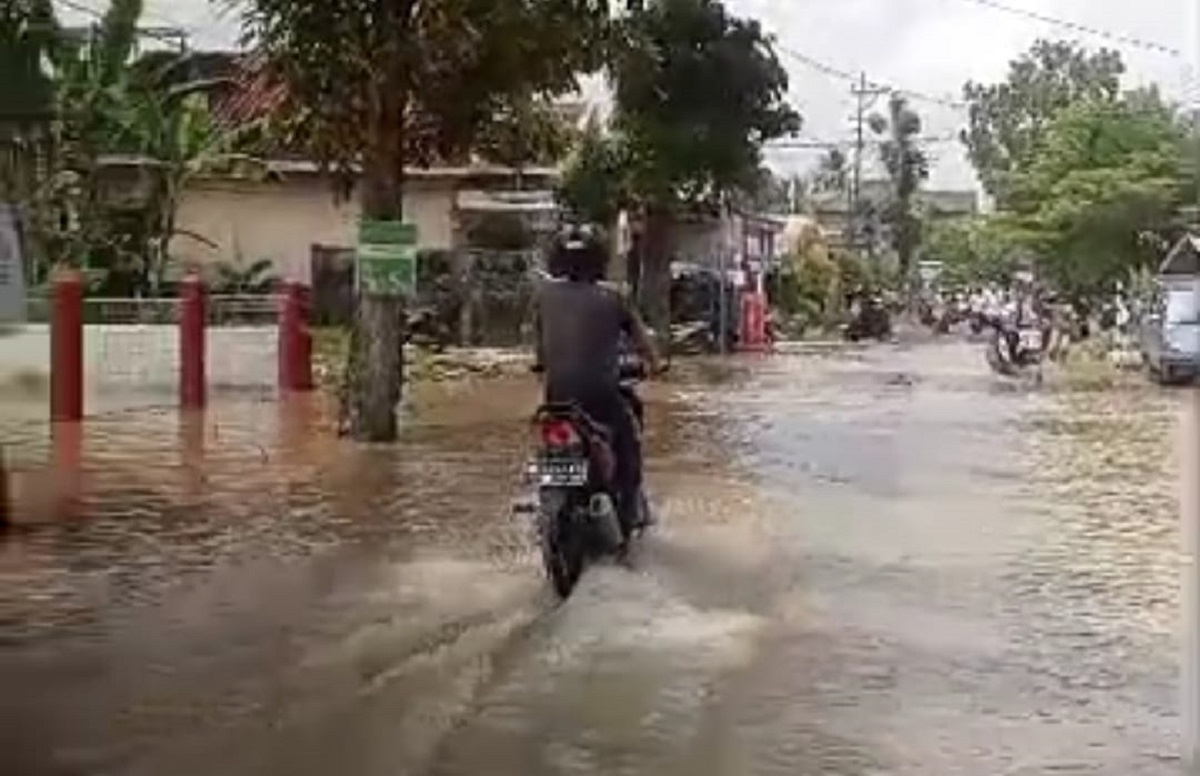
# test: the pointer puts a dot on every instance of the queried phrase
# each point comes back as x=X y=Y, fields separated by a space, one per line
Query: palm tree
x=833 y=172
x=907 y=168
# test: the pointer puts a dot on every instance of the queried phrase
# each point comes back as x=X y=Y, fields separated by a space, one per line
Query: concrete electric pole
x=864 y=99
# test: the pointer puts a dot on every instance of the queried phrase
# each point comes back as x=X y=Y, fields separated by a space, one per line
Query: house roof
x=282 y=167
x=1183 y=259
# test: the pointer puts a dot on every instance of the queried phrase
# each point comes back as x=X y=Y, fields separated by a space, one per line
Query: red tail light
x=559 y=433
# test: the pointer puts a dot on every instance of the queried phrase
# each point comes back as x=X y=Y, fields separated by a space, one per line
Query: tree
x=1006 y=120
x=356 y=74
x=907 y=168
x=166 y=121
x=698 y=92
x=525 y=130
x=974 y=250
x=833 y=172
x=1105 y=176
x=594 y=185
x=88 y=74
x=27 y=31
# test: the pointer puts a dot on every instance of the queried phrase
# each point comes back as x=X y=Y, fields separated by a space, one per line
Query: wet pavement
x=869 y=562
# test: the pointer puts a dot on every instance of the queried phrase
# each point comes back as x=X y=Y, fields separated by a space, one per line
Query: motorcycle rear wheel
x=562 y=544
x=564 y=564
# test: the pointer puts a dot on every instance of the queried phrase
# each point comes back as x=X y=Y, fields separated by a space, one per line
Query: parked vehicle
x=1168 y=333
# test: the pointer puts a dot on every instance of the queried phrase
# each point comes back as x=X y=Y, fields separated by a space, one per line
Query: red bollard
x=753 y=321
x=67 y=459
x=66 y=348
x=193 y=314
x=295 y=339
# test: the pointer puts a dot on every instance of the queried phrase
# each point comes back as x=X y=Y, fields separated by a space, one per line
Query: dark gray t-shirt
x=579 y=332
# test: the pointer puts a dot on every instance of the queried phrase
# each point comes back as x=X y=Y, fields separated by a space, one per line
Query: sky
x=930 y=47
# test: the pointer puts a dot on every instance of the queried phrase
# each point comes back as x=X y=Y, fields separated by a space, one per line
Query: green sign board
x=387 y=257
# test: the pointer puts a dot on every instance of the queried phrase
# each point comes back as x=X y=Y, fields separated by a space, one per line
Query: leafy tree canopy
x=1006 y=120
x=698 y=91
x=358 y=72
x=1106 y=175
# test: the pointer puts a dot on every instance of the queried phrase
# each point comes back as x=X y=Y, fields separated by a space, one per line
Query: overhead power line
x=804 y=144
x=164 y=34
x=846 y=75
x=1067 y=24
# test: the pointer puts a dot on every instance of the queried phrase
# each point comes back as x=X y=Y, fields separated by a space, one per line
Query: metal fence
x=482 y=297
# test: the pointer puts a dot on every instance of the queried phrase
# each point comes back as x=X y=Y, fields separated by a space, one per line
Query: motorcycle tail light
x=559 y=433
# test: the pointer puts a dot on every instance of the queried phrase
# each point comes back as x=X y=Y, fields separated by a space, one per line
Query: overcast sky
x=928 y=46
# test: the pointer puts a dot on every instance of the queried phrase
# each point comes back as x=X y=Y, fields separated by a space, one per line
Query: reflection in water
x=853 y=574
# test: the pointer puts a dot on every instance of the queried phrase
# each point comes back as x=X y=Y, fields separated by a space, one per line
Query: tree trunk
x=376 y=357
x=655 y=287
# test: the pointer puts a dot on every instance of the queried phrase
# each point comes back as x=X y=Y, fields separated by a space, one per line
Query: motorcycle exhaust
x=603 y=514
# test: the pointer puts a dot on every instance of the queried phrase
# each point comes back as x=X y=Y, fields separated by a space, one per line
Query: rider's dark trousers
x=610 y=409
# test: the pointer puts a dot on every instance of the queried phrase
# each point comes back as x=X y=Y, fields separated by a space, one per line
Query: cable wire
x=1067 y=24
x=846 y=75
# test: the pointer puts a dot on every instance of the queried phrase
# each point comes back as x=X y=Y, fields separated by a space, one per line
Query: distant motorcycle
x=427 y=330
x=1017 y=348
x=871 y=321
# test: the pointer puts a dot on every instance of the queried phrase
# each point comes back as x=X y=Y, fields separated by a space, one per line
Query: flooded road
x=872 y=562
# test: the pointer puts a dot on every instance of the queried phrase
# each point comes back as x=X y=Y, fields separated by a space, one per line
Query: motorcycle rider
x=579 y=327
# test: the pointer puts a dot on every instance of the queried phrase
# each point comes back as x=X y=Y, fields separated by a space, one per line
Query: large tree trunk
x=376 y=368
x=655 y=287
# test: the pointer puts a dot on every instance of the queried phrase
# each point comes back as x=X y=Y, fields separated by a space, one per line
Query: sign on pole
x=12 y=267
x=386 y=258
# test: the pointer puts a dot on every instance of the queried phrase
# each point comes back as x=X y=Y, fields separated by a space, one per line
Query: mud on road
x=869 y=562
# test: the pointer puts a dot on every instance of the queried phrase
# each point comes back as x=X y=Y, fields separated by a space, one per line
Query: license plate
x=1031 y=339
x=557 y=472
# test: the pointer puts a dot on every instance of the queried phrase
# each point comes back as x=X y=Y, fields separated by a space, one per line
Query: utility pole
x=864 y=99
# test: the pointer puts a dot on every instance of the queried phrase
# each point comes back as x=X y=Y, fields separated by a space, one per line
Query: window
x=1180 y=306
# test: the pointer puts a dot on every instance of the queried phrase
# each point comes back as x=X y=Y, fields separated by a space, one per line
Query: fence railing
x=221 y=310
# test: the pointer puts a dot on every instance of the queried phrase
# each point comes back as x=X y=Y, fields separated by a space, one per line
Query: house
x=745 y=243
x=285 y=214
x=832 y=208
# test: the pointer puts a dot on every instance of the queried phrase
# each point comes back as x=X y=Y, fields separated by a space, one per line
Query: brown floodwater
x=875 y=561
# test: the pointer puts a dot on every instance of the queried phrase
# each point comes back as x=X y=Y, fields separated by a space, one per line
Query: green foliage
x=524 y=130
x=698 y=91
x=907 y=168
x=385 y=84
x=27 y=31
x=500 y=232
x=1105 y=175
x=594 y=185
x=833 y=172
x=1089 y=182
x=1007 y=120
x=236 y=277
x=973 y=250
x=105 y=102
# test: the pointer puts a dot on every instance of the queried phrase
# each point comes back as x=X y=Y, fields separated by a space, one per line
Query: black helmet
x=578 y=253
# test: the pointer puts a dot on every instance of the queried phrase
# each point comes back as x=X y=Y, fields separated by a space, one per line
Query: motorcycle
x=870 y=322
x=425 y=329
x=1016 y=348
x=573 y=471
